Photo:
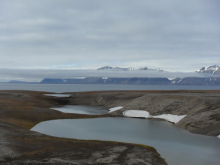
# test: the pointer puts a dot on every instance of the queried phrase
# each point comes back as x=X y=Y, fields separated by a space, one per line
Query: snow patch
x=136 y=113
x=180 y=80
x=171 y=118
x=216 y=69
x=114 y=109
x=145 y=114
x=218 y=136
x=58 y=95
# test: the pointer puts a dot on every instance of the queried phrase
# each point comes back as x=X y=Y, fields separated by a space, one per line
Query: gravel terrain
x=21 y=110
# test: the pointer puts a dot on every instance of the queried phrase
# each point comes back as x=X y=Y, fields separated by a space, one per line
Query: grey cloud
x=168 y=34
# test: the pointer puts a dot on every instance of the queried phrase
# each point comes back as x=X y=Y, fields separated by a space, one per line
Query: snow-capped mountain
x=144 y=68
x=115 y=68
x=148 y=69
x=214 y=70
x=128 y=69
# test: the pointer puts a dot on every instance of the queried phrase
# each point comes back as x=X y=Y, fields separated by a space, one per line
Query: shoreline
x=202 y=108
x=21 y=110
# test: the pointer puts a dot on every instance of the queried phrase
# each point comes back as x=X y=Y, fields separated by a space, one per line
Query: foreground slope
x=21 y=110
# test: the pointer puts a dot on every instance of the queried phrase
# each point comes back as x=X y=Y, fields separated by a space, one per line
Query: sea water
x=59 y=88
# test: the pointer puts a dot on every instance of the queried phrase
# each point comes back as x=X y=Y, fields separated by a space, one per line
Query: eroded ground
x=202 y=108
x=21 y=110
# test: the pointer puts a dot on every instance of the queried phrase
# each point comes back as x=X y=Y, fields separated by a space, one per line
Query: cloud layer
x=40 y=74
x=173 y=35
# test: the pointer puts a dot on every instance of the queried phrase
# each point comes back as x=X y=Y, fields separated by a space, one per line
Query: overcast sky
x=174 y=35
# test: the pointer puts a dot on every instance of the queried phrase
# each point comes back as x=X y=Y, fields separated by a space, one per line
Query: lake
x=89 y=110
x=176 y=145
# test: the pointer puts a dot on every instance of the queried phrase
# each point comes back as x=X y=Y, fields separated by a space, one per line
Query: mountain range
x=214 y=70
x=211 y=78
x=126 y=69
x=212 y=81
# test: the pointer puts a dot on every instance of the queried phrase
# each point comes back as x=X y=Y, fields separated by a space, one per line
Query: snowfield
x=136 y=113
x=114 y=109
x=145 y=114
x=171 y=118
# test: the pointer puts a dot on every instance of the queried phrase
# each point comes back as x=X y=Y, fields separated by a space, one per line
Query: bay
x=59 y=88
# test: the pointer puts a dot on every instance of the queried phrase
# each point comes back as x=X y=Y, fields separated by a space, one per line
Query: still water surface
x=59 y=88
x=90 y=110
x=176 y=145
x=58 y=95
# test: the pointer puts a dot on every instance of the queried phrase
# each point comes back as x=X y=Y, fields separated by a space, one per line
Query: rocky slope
x=202 y=108
x=21 y=110
x=200 y=81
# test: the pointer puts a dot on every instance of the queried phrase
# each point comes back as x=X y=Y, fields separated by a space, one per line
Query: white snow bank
x=114 y=109
x=218 y=136
x=145 y=114
x=58 y=95
x=136 y=113
x=171 y=118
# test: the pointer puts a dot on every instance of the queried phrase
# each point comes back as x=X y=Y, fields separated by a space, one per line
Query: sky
x=176 y=36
